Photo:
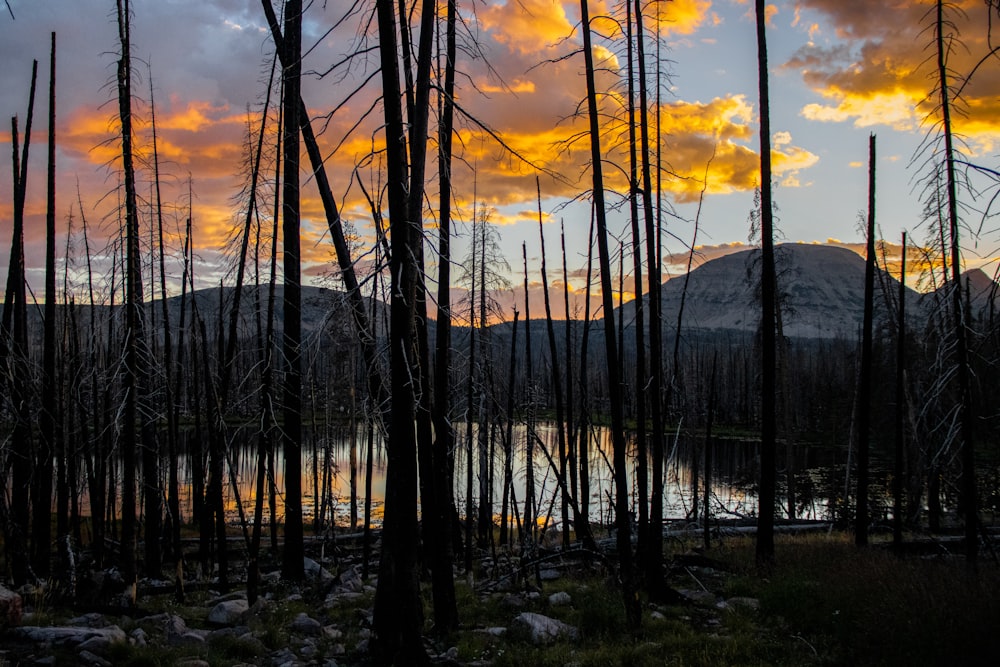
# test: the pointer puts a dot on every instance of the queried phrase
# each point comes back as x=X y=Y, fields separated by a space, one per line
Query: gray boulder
x=544 y=630
x=230 y=612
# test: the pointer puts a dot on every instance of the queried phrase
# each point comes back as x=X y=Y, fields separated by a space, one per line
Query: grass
x=824 y=603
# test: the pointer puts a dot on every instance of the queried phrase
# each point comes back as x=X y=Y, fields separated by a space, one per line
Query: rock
x=451 y=654
x=333 y=632
x=234 y=632
x=350 y=580
x=736 y=603
x=95 y=644
x=657 y=616
x=91 y=620
x=229 y=612
x=315 y=571
x=513 y=601
x=496 y=631
x=549 y=575
x=192 y=662
x=68 y=636
x=88 y=658
x=294 y=597
x=177 y=633
x=236 y=595
x=11 y=608
x=138 y=637
x=305 y=625
x=545 y=630
x=560 y=599
x=699 y=597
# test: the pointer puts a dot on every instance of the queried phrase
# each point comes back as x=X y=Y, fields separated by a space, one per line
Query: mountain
x=822 y=292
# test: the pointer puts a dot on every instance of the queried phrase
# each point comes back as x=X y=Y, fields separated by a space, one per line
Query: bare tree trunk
x=967 y=483
x=292 y=563
x=897 y=471
x=865 y=379
x=654 y=552
x=443 y=556
x=528 y=521
x=641 y=378
x=49 y=443
x=15 y=351
x=136 y=381
x=398 y=617
x=633 y=610
x=556 y=378
x=583 y=431
x=768 y=436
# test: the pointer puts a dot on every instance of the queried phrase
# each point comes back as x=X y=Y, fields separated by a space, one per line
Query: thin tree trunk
x=654 y=552
x=292 y=559
x=900 y=440
x=967 y=483
x=641 y=379
x=556 y=378
x=49 y=443
x=865 y=379
x=765 y=513
x=529 y=466
x=633 y=610
x=443 y=589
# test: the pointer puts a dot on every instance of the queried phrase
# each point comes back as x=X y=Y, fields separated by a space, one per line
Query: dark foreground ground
x=824 y=603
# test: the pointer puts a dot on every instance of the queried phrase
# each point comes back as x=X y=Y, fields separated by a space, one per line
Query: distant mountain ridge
x=822 y=290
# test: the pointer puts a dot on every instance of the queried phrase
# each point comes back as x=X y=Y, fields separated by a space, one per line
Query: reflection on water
x=819 y=479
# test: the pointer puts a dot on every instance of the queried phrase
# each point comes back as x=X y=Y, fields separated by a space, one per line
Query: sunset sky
x=840 y=70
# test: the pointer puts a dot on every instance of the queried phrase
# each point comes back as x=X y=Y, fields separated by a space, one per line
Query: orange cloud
x=879 y=71
x=525 y=25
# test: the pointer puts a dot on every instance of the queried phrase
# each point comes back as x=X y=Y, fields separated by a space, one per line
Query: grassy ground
x=824 y=603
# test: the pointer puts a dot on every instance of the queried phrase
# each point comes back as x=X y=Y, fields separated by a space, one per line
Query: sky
x=839 y=71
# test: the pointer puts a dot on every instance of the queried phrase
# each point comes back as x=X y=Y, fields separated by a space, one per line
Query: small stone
x=699 y=597
x=333 y=632
x=657 y=616
x=230 y=612
x=315 y=571
x=560 y=599
x=496 y=631
x=549 y=575
x=88 y=658
x=350 y=580
x=305 y=625
x=192 y=662
x=513 y=601
x=545 y=630
x=743 y=603
x=237 y=595
x=451 y=653
x=95 y=644
x=91 y=620
x=138 y=637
